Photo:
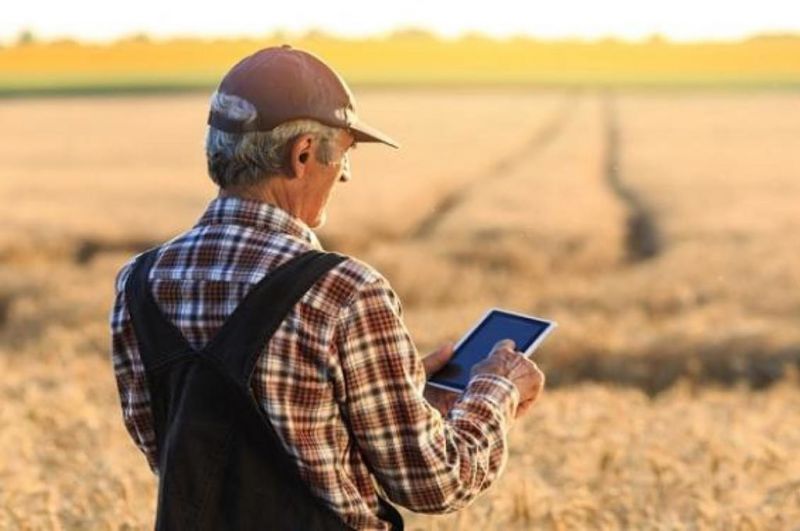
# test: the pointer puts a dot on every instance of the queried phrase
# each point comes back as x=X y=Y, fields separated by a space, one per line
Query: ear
x=300 y=155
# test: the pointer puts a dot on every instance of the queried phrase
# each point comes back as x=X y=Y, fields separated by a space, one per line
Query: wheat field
x=661 y=230
x=405 y=58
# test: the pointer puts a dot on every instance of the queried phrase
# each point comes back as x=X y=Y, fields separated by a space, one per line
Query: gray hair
x=249 y=158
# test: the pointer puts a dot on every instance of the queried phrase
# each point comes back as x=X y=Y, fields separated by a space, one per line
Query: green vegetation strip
x=22 y=87
x=133 y=85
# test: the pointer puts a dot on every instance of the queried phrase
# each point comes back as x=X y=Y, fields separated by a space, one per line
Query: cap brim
x=365 y=133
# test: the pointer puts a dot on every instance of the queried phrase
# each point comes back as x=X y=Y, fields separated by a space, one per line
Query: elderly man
x=273 y=385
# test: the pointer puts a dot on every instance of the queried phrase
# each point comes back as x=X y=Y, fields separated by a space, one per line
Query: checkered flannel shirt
x=340 y=380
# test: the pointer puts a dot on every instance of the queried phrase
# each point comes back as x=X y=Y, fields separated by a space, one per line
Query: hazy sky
x=631 y=19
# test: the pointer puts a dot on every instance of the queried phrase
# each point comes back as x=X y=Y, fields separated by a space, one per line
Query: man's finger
x=437 y=359
x=505 y=343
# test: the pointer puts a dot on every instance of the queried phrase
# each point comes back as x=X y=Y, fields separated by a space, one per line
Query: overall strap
x=160 y=341
x=242 y=338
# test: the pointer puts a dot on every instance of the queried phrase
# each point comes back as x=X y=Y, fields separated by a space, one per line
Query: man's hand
x=526 y=376
x=441 y=399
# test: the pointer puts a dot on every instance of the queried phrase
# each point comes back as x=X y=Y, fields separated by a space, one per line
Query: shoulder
x=125 y=271
x=121 y=278
x=348 y=281
x=119 y=313
x=357 y=272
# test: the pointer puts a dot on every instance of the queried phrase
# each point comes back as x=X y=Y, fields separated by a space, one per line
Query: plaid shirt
x=340 y=380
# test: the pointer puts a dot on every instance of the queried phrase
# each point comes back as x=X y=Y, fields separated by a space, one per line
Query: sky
x=681 y=20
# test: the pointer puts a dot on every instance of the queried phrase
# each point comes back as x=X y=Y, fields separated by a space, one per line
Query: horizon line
x=26 y=37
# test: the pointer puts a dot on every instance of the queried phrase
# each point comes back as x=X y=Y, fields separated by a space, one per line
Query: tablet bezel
x=551 y=325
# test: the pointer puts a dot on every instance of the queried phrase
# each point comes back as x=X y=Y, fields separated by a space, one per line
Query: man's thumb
x=438 y=359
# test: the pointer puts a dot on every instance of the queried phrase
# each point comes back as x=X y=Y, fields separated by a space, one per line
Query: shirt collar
x=256 y=214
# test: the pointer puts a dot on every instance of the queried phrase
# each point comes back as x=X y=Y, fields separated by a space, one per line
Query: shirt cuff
x=497 y=390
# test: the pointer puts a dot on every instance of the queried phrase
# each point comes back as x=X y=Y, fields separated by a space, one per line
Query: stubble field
x=661 y=230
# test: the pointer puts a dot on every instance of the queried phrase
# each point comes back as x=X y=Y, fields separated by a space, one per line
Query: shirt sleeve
x=129 y=372
x=422 y=461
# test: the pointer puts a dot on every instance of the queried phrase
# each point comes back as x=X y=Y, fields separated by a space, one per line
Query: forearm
x=458 y=457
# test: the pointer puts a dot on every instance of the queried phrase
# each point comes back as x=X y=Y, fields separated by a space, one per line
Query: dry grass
x=594 y=457
x=496 y=199
x=588 y=457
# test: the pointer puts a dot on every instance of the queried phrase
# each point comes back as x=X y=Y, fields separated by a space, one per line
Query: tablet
x=526 y=331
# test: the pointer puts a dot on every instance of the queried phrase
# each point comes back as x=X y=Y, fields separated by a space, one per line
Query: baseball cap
x=284 y=83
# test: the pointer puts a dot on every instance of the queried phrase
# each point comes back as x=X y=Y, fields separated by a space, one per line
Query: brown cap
x=287 y=84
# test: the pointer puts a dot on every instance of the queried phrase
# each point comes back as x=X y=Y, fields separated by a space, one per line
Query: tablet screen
x=495 y=327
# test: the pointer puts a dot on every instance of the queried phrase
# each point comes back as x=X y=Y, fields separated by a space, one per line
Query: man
x=339 y=381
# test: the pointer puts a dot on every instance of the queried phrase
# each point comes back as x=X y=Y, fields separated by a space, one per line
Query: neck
x=276 y=191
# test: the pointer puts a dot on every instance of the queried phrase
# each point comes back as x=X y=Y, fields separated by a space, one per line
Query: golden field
x=661 y=230
x=408 y=57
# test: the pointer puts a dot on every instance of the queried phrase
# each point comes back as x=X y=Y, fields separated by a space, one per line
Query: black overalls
x=221 y=464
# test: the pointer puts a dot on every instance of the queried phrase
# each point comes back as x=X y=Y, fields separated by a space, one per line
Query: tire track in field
x=88 y=248
x=75 y=251
x=642 y=236
x=725 y=364
x=539 y=141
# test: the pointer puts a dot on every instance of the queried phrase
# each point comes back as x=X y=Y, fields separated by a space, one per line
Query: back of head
x=266 y=101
